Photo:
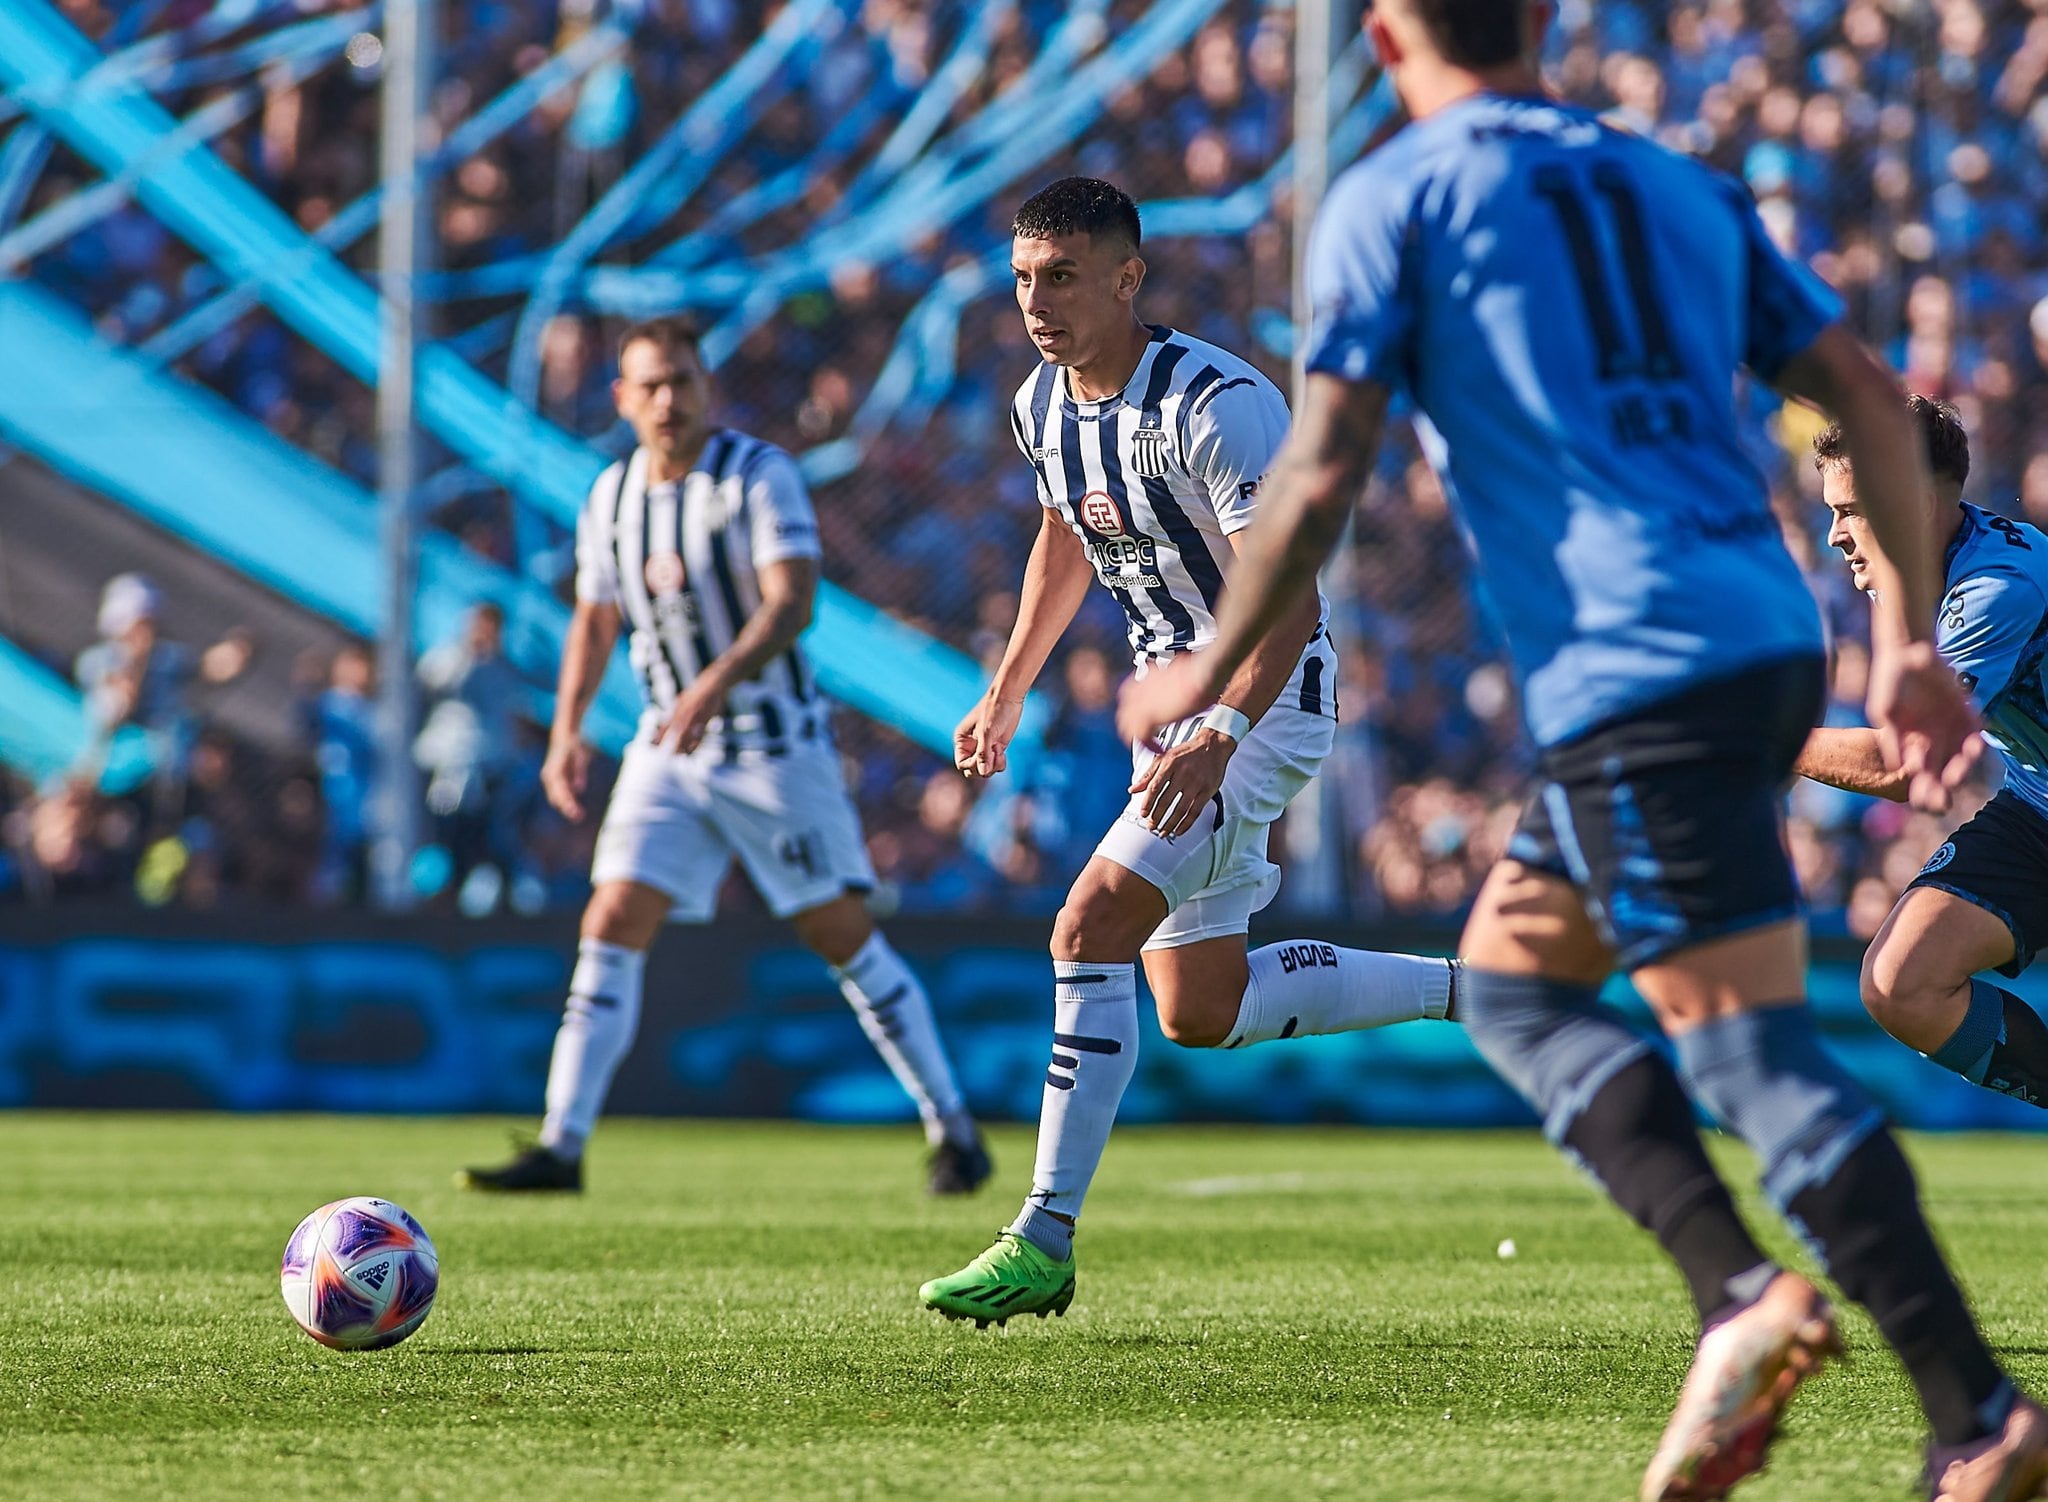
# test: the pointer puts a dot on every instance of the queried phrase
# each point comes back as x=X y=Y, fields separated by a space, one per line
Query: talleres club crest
x=664 y=573
x=1148 y=453
x=1100 y=516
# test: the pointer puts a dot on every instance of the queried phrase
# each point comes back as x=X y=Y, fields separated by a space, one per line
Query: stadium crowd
x=1898 y=151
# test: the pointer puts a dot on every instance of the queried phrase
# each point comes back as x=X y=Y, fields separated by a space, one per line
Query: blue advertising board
x=422 y=1015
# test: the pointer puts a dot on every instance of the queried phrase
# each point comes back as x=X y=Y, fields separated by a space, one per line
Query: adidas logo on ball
x=359 y=1274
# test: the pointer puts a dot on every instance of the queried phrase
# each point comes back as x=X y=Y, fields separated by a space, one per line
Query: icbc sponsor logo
x=664 y=573
x=1099 y=514
x=1125 y=562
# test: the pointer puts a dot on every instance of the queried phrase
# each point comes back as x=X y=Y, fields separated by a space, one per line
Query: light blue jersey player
x=1992 y=631
x=1567 y=306
x=1981 y=903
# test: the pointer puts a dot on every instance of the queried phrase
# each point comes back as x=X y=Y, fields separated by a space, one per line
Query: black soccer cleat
x=532 y=1167
x=959 y=1167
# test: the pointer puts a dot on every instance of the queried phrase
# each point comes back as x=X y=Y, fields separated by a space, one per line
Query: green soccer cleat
x=1011 y=1277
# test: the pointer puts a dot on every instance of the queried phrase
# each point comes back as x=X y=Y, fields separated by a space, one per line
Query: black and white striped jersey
x=680 y=562
x=1155 y=479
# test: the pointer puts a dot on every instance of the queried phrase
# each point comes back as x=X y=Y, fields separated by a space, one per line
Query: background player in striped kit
x=704 y=542
x=1149 y=447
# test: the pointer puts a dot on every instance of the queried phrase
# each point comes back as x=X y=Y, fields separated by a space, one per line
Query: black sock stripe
x=1058 y=1081
x=1087 y=1044
x=1080 y=980
x=1292 y=1024
x=596 y=1001
x=892 y=998
x=1065 y=1061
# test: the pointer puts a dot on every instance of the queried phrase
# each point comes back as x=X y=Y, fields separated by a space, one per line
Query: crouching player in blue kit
x=1566 y=306
x=1982 y=901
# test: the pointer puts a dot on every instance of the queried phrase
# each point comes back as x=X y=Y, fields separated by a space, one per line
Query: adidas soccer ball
x=360 y=1274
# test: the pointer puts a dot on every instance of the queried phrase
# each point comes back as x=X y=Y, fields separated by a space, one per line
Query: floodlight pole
x=403 y=251
x=1315 y=826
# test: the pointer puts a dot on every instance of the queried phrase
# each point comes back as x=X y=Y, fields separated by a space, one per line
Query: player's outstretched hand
x=564 y=776
x=981 y=742
x=1926 y=720
x=1180 y=784
x=1164 y=696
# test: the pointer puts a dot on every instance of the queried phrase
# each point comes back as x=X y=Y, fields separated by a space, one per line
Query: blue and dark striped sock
x=1612 y=1103
x=1832 y=1167
x=2001 y=1044
x=1969 y=1047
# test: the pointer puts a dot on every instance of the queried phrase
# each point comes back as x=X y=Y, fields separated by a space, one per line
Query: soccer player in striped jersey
x=703 y=543
x=1149 y=447
x=1567 y=306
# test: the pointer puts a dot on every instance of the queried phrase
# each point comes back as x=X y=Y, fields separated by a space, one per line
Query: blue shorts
x=1667 y=819
x=1999 y=861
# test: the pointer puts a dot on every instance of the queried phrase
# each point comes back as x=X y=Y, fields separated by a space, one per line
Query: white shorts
x=1216 y=875
x=676 y=822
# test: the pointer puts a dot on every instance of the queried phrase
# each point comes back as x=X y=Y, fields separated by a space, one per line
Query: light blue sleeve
x=1986 y=622
x=1788 y=307
x=1359 y=283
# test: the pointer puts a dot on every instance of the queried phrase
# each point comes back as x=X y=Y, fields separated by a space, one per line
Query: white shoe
x=1741 y=1380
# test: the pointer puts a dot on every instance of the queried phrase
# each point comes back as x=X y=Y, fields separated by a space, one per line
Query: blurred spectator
x=132 y=676
x=1085 y=775
x=934 y=871
x=60 y=847
x=470 y=744
x=338 y=721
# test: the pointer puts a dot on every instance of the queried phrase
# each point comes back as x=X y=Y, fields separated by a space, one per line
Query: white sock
x=1304 y=987
x=896 y=1014
x=597 y=1029
x=1094 y=1054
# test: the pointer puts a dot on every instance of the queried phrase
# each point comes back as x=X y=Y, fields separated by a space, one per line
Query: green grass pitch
x=730 y=1313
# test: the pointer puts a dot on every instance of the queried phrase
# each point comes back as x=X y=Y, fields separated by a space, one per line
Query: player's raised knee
x=624 y=913
x=1083 y=917
x=1098 y=922
x=1196 y=1022
x=837 y=930
x=1900 y=985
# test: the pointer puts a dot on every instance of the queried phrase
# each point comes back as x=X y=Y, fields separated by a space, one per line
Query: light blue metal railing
x=863 y=658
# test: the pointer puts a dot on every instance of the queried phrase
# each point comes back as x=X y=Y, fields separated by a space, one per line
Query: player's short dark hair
x=1474 y=33
x=1079 y=205
x=668 y=333
x=1941 y=429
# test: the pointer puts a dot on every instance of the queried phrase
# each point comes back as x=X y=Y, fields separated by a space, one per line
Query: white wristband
x=1227 y=721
